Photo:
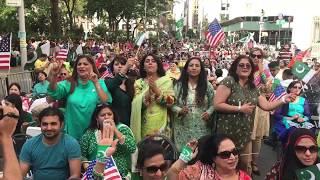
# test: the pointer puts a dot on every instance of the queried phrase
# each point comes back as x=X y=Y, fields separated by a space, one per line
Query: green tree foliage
x=8 y=18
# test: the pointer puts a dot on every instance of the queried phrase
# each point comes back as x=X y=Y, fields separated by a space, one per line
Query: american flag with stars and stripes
x=63 y=53
x=215 y=33
x=107 y=74
x=110 y=172
x=5 y=51
x=278 y=93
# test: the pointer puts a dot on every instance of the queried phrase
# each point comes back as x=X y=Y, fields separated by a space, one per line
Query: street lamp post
x=145 y=15
x=261 y=24
x=22 y=35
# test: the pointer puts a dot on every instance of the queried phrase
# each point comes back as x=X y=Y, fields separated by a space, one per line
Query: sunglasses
x=303 y=149
x=63 y=74
x=254 y=56
x=247 y=66
x=227 y=154
x=154 y=169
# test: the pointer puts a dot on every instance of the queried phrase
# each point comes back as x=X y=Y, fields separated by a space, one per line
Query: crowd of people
x=101 y=115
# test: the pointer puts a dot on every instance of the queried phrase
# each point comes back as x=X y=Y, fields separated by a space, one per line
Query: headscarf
x=290 y=163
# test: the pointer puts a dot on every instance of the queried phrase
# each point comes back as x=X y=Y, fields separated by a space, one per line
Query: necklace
x=192 y=87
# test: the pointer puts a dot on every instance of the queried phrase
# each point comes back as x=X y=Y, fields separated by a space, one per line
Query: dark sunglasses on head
x=248 y=66
x=227 y=154
x=303 y=149
x=254 y=56
x=154 y=169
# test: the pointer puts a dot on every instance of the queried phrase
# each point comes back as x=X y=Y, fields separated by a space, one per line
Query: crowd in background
x=102 y=108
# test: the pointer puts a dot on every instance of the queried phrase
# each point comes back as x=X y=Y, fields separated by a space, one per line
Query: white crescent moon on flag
x=300 y=70
x=312 y=175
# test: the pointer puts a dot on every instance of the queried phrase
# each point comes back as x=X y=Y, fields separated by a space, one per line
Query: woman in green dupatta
x=153 y=94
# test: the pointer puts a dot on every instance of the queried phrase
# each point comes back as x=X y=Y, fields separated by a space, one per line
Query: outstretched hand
x=106 y=139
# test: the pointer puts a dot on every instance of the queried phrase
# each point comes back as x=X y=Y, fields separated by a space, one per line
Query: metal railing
x=24 y=79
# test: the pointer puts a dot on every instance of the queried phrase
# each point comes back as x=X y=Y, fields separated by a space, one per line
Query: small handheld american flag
x=5 y=51
x=278 y=93
x=110 y=172
x=215 y=33
x=63 y=53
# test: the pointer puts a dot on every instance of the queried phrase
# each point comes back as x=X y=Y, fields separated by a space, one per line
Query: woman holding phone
x=82 y=91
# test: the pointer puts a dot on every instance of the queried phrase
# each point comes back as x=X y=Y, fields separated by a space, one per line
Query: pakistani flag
x=179 y=28
x=141 y=38
x=302 y=71
x=309 y=173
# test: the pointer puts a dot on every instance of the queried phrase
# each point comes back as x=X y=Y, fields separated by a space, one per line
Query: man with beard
x=52 y=154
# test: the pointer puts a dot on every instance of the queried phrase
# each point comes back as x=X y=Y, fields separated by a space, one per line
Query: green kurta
x=80 y=104
x=192 y=125
x=122 y=156
x=237 y=125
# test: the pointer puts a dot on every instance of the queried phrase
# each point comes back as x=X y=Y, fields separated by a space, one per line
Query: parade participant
x=8 y=124
x=82 y=91
x=41 y=88
x=174 y=71
x=151 y=162
x=104 y=114
x=15 y=88
x=153 y=94
x=235 y=101
x=42 y=63
x=217 y=159
x=285 y=55
x=52 y=154
x=294 y=114
x=14 y=100
x=301 y=151
x=121 y=87
x=193 y=106
x=261 y=123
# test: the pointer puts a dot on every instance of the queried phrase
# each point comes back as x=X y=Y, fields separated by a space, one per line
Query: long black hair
x=202 y=84
x=74 y=77
x=94 y=123
x=233 y=70
x=292 y=84
x=210 y=143
x=290 y=162
x=160 y=70
x=129 y=83
x=17 y=102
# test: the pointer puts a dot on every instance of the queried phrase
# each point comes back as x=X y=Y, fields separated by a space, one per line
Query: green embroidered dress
x=122 y=156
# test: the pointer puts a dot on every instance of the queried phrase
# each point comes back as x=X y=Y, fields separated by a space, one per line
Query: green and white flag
x=302 y=71
x=309 y=173
x=179 y=28
x=141 y=38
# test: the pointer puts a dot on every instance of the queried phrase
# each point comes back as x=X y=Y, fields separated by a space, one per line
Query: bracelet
x=122 y=139
x=186 y=154
x=239 y=107
x=101 y=153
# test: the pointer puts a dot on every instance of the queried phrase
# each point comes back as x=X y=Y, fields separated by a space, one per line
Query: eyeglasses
x=254 y=56
x=154 y=169
x=227 y=154
x=63 y=74
x=303 y=149
x=247 y=66
x=297 y=87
